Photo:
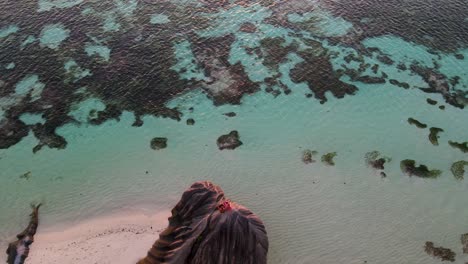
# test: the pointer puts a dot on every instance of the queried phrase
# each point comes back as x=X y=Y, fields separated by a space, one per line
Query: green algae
x=308 y=156
x=422 y=171
x=328 y=158
x=434 y=135
x=458 y=169
x=415 y=122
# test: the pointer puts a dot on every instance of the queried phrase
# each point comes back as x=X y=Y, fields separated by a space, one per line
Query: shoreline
x=113 y=238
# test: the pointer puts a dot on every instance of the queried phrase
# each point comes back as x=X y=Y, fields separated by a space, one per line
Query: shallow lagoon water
x=314 y=213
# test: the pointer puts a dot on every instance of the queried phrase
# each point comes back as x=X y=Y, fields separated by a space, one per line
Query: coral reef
x=308 y=156
x=463 y=147
x=415 y=122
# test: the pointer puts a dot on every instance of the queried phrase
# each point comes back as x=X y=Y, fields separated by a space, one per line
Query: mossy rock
x=376 y=160
x=458 y=169
x=308 y=156
x=328 y=158
x=190 y=122
x=159 y=143
x=422 y=171
x=434 y=135
x=461 y=146
x=415 y=122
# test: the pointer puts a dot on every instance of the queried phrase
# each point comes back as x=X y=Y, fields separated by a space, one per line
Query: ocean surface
x=86 y=85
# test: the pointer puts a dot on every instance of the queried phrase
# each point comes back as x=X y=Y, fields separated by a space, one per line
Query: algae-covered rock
x=431 y=102
x=415 y=122
x=445 y=254
x=159 y=143
x=434 y=135
x=229 y=141
x=409 y=167
x=458 y=169
x=207 y=228
x=461 y=146
x=190 y=122
x=328 y=158
x=375 y=160
x=464 y=241
x=308 y=156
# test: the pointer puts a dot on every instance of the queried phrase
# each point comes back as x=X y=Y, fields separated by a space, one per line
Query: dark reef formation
x=409 y=167
x=444 y=22
x=158 y=143
x=415 y=122
x=229 y=141
x=463 y=147
x=207 y=228
x=458 y=169
x=445 y=254
x=328 y=158
x=434 y=135
x=18 y=251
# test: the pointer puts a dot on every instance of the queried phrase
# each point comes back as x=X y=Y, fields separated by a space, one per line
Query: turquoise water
x=314 y=213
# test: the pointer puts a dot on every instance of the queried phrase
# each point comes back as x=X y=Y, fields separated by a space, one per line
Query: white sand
x=123 y=238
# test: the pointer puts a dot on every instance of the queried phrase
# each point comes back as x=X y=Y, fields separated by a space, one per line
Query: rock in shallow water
x=207 y=228
x=229 y=141
x=159 y=143
x=445 y=254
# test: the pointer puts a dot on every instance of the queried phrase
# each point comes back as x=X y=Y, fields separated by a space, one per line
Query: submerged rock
x=190 y=122
x=445 y=254
x=415 y=122
x=18 y=251
x=458 y=169
x=230 y=114
x=409 y=167
x=159 y=143
x=461 y=146
x=207 y=228
x=26 y=175
x=375 y=160
x=431 y=102
x=403 y=85
x=229 y=141
x=308 y=155
x=434 y=135
x=464 y=241
x=328 y=158
x=370 y=79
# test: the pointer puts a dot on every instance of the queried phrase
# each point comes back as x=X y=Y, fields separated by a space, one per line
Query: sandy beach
x=118 y=238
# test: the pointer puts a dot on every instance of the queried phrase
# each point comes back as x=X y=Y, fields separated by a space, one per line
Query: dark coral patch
x=328 y=158
x=415 y=122
x=463 y=147
x=434 y=135
x=444 y=254
x=158 y=143
x=409 y=167
x=229 y=141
